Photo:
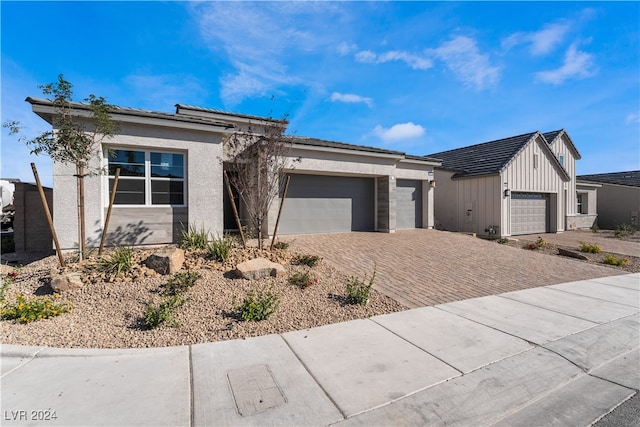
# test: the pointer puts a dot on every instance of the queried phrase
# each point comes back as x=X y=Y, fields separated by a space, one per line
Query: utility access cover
x=254 y=389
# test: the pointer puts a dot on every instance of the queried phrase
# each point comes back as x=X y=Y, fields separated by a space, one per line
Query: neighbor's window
x=147 y=177
x=561 y=159
x=582 y=203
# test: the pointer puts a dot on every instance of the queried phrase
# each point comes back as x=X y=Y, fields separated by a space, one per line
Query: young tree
x=257 y=160
x=73 y=139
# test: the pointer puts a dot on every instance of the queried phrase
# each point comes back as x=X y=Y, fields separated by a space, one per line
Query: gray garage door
x=408 y=204
x=328 y=204
x=529 y=213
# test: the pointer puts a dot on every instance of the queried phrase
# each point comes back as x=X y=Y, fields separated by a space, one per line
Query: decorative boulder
x=258 y=268
x=168 y=261
x=66 y=281
x=571 y=254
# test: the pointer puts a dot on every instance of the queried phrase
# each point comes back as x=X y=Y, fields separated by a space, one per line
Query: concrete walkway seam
x=561 y=312
x=417 y=346
x=589 y=296
x=313 y=377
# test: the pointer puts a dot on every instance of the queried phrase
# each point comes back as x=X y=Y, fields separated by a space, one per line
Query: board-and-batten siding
x=561 y=146
x=146 y=225
x=522 y=175
x=482 y=196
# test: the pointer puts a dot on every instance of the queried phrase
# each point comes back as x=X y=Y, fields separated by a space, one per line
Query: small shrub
x=308 y=260
x=258 y=306
x=10 y=277
x=3 y=292
x=590 y=248
x=192 y=238
x=357 y=291
x=302 y=280
x=180 y=282
x=502 y=240
x=26 y=310
x=614 y=260
x=539 y=243
x=281 y=245
x=624 y=230
x=595 y=229
x=219 y=249
x=118 y=262
x=156 y=315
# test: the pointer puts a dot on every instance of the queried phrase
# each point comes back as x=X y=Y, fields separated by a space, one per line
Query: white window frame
x=581 y=206
x=147 y=177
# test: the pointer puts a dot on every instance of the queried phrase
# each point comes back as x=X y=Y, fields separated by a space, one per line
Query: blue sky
x=418 y=77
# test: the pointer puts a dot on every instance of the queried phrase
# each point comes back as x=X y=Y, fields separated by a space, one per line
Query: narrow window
x=581 y=204
x=561 y=159
x=535 y=161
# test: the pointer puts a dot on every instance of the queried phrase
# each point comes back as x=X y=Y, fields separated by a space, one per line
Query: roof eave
x=46 y=110
x=309 y=147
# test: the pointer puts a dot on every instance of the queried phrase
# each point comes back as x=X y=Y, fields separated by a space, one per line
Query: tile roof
x=341 y=145
x=216 y=111
x=630 y=178
x=488 y=158
x=139 y=112
x=551 y=136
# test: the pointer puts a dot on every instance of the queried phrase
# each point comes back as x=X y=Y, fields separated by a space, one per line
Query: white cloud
x=463 y=58
x=366 y=56
x=345 y=48
x=350 y=98
x=260 y=42
x=399 y=132
x=632 y=118
x=414 y=61
x=542 y=41
x=576 y=64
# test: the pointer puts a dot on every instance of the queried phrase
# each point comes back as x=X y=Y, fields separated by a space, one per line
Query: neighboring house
x=520 y=185
x=172 y=176
x=618 y=197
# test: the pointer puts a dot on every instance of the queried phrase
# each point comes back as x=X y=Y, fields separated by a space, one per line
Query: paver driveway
x=426 y=267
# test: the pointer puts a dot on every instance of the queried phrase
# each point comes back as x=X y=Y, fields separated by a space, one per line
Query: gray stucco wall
x=618 y=204
x=203 y=152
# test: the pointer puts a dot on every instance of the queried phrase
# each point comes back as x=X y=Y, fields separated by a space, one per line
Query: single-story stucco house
x=172 y=167
x=519 y=185
x=618 y=197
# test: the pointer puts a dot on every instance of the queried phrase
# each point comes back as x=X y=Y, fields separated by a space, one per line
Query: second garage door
x=328 y=204
x=408 y=204
x=529 y=213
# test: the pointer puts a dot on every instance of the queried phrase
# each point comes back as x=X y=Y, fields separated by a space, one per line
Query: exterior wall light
x=507 y=192
x=433 y=184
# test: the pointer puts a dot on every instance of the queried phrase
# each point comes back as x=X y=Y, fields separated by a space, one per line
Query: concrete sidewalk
x=560 y=355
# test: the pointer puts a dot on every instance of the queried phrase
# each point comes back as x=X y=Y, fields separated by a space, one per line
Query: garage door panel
x=325 y=204
x=408 y=204
x=529 y=213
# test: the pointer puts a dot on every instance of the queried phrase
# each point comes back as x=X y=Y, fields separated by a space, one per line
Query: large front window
x=147 y=177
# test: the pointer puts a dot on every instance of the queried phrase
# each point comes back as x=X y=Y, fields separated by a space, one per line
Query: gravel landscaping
x=632 y=264
x=109 y=313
